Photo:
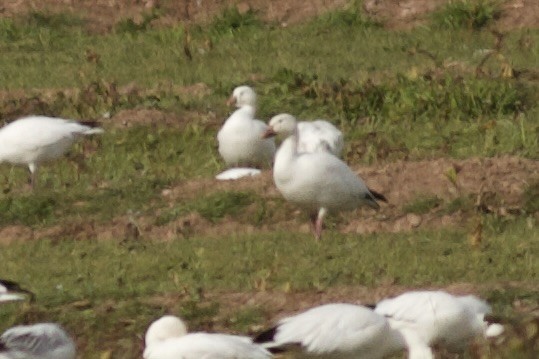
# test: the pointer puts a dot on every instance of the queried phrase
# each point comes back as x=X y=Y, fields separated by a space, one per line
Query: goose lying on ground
x=38 y=341
x=343 y=331
x=319 y=181
x=11 y=291
x=32 y=140
x=427 y=318
x=167 y=338
x=240 y=138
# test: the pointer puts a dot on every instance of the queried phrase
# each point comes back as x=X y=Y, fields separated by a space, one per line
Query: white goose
x=11 y=291
x=343 y=331
x=35 y=139
x=38 y=341
x=167 y=338
x=240 y=138
x=319 y=181
x=427 y=318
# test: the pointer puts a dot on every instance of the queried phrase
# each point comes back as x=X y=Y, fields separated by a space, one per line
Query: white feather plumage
x=38 y=341
x=33 y=140
x=167 y=338
x=338 y=330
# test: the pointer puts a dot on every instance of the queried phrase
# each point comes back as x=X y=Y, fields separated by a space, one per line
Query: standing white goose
x=36 y=139
x=427 y=318
x=240 y=138
x=343 y=331
x=38 y=341
x=319 y=181
x=167 y=338
x=11 y=291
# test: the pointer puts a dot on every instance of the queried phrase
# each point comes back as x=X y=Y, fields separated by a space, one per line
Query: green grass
x=469 y=14
x=382 y=85
x=93 y=270
x=422 y=204
x=127 y=173
x=396 y=95
x=213 y=206
x=114 y=283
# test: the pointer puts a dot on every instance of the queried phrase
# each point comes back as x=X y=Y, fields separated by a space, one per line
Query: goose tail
x=93 y=127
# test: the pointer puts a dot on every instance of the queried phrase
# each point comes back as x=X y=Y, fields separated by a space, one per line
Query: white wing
x=474 y=304
x=30 y=138
x=206 y=346
x=331 y=328
x=44 y=341
x=431 y=317
x=320 y=135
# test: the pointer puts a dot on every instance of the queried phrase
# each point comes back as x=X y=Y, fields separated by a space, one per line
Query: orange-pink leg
x=33 y=175
x=317 y=222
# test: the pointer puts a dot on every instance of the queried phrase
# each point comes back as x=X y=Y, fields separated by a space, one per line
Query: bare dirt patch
x=102 y=16
x=401 y=14
x=107 y=95
x=519 y=14
x=493 y=185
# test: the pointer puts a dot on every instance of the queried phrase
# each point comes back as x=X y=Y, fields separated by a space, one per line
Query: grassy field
x=450 y=88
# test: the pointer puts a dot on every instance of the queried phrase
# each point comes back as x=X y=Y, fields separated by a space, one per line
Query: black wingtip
x=493 y=319
x=15 y=287
x=266 y=336
x=9 y=284
x=92 y=124
x=370 y=306
x=276 y=350
x=378 y=196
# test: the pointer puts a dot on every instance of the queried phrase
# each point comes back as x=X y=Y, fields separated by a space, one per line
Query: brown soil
x=102 y=15
x=492 y=185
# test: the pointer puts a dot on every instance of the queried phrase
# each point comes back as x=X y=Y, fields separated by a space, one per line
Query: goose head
x=165 y=328
x=283 y=124
x=242 y=96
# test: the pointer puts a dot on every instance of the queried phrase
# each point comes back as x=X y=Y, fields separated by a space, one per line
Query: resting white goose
x=33 y=140
x=38 y=341
x=343 y=331
x=427 y=318
x=319 y=181
x=240 y=138
x=11 y=291
x=167 y=338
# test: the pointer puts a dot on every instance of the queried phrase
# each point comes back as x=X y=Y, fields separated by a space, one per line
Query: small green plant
x=470 y=14
x=531 y=198
x=352 y=17
x=422 y=204
x=216 y=205
x=131 y=26
x=232 y=20
x=30 y=210
x=458 y=204
x=52 y=21
x=245 y=318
